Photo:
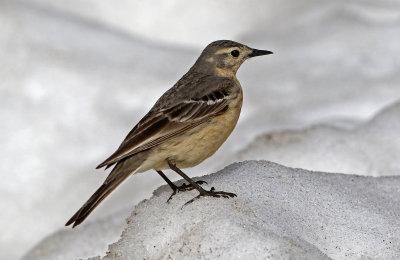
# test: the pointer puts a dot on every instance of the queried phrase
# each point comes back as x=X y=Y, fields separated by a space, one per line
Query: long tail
x=120 y=172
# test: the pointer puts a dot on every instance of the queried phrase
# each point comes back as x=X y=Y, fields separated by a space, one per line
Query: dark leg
x=202 y=191
x=183 y=187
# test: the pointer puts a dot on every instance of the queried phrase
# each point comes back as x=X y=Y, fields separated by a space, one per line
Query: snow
x=77 y=76
x=372 y=148
x=279 y=213
x=80 y=243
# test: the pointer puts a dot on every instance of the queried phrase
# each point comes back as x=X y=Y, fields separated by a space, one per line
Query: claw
x=212 y=193
x=183 y=187
x=170 y=197
x=201 y=182
x=186 y=187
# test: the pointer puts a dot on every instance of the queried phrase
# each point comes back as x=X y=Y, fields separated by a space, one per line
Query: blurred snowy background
x=76 y=76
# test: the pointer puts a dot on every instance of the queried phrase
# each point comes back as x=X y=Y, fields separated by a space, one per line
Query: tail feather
x=120 y=172
x=93 y=202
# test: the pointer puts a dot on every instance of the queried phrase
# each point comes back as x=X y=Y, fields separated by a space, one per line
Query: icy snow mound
x=279 y=213
x=370 y=149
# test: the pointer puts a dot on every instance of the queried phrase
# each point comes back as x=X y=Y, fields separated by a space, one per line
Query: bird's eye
x=235 y=53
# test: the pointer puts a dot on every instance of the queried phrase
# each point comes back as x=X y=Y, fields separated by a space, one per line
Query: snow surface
x=372 y=148
x=73 y=83
x=80 y=243
x=279 y=213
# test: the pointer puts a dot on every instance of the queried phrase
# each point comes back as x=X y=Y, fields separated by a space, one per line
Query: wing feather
x=169 y=122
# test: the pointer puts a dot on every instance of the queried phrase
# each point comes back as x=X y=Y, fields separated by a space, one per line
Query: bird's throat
x=224 y=72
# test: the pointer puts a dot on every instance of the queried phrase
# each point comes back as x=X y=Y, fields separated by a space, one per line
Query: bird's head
x=225 y=57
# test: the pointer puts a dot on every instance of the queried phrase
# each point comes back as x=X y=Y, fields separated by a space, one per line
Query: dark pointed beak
x=256 y=52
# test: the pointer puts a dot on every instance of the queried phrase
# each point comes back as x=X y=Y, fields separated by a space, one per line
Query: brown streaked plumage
x=186 y=125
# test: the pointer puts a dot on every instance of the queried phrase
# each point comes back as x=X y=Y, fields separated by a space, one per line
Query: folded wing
x=162 y=125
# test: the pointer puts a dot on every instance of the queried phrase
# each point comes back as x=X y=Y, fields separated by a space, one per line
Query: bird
x=186 y=125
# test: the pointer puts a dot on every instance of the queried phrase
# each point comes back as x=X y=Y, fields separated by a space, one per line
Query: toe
x=201 y=182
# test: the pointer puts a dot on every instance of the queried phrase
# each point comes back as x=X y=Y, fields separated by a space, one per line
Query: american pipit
x=186 y=125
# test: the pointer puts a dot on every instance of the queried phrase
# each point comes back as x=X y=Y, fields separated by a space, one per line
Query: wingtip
x=101 y=165
x=105 y=163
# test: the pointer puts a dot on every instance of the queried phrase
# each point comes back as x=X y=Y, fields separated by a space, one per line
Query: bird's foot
x=212 y=193
x=184 y=187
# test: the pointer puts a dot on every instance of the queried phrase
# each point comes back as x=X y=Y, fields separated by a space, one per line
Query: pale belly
x=197 y=144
